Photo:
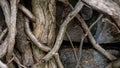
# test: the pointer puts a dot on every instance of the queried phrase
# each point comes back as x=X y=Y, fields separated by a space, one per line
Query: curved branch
x=57 y=57
x=94 y=43
x=108 y=21
x=18 y=62
x=83 y=38
x=33 y=38
x=92 y=40
x=3 y=34
x=106 y=6
x=62 y=31
x=6 y=11
x=27 y=12
x=12 y=28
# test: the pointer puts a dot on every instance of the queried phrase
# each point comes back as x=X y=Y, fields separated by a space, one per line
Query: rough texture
x=22 y=43
x=90 y=58
x=44 y=28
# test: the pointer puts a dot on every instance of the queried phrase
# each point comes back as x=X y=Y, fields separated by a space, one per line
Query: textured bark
x=44 y=28
x=28 y=34
x=22 y=43
x=106 y=6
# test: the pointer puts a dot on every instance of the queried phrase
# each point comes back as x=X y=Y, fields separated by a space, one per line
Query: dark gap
x=116 y=46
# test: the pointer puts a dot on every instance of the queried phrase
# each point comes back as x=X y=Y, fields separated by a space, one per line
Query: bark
x=22 y=43
x=108 y=7
x=44 y=28
x=26 y=38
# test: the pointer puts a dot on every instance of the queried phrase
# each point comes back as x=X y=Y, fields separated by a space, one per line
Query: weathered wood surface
x=44 y=28
x=75 y=31
x=106 y=6
x=22 y=43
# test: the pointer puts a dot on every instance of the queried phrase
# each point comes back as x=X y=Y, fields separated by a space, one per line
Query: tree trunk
x=44 y=28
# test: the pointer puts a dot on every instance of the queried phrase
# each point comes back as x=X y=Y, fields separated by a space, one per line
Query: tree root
x=27 y=12
x=62 y=31
x=40 y=45
x=3 y=34
x=107 y=7
x=92 y=40
x=33 y=38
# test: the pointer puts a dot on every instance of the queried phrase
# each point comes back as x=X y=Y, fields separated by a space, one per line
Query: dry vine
x=62 y=31
x=39 y=45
